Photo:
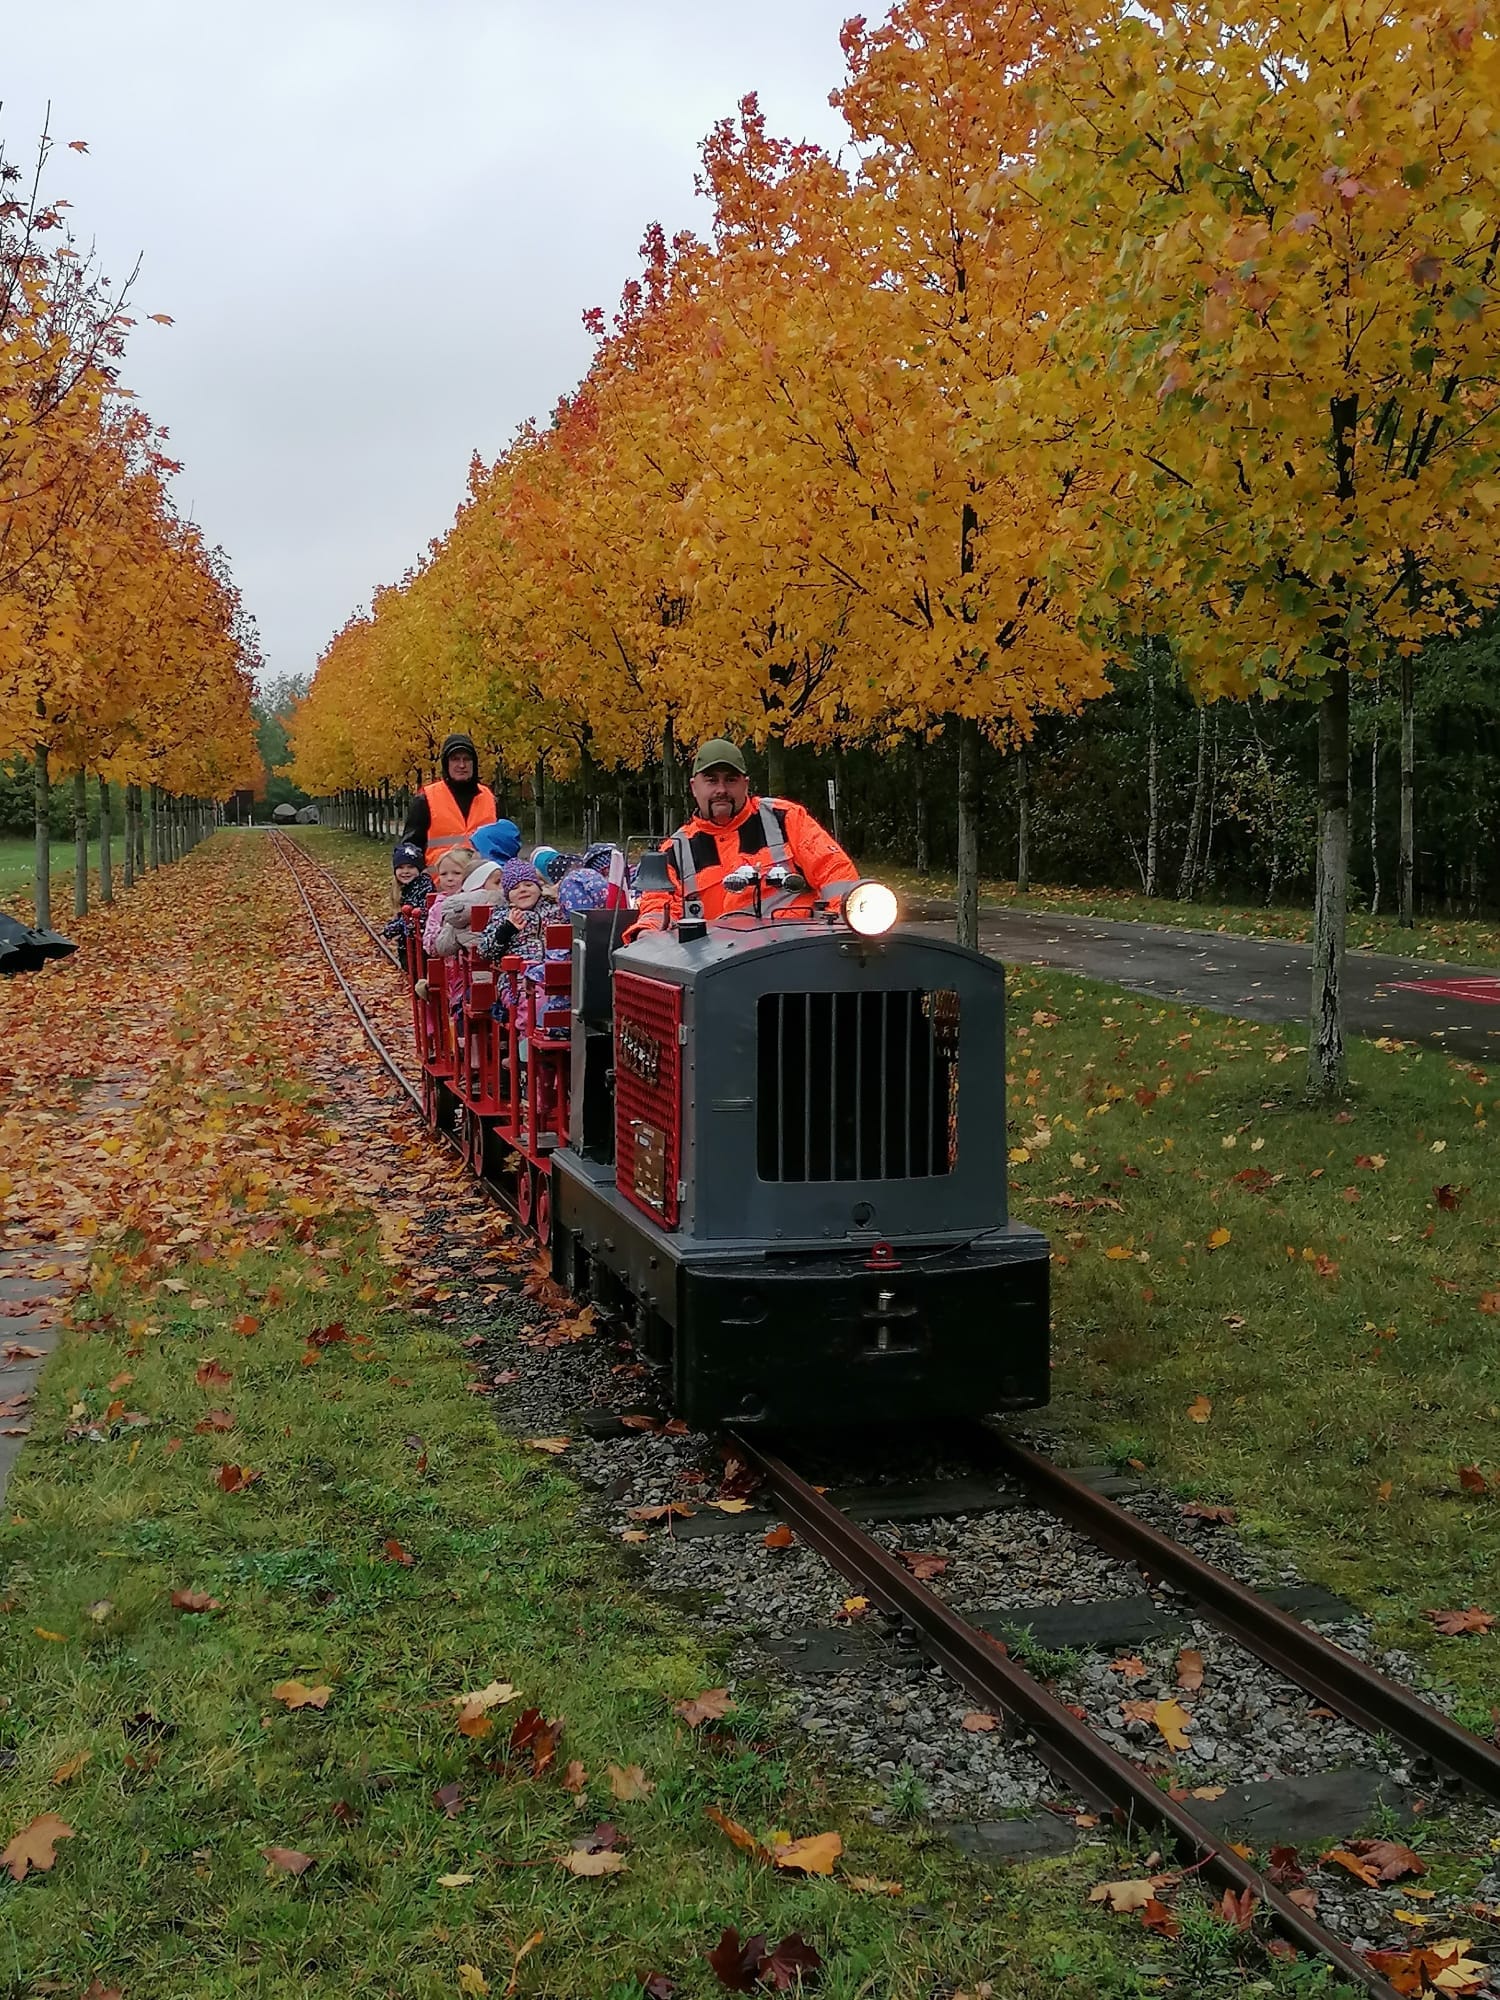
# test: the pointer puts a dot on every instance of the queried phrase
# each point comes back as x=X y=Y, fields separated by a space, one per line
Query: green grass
x=163 y=1890
x=1328 y=1380
x=1462 y=941
x=18 y=856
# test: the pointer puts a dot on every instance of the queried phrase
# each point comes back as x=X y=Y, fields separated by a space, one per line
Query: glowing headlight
x=870 y=908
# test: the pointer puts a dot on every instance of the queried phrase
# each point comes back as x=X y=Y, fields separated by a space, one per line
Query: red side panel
x=648 y=1094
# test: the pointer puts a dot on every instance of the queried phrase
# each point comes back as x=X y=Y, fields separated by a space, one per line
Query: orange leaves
x=210 y=1375
x=534 y=1741
x=194 y=1600
x=1218 y=1238
x=287 y=1861
x=474 y=1717
x=1444 y=1969
x=1456 y=1624
x=815 y=1854
x=711 y=1706
x=235 y=1478
x=35 y=1846
x=1190 y=1670
x=1375 y=1862
x=1199 y=1410
x=922 y=1563
x=779 y=1537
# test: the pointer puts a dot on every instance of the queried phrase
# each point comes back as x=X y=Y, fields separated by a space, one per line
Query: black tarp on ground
x=23 y=949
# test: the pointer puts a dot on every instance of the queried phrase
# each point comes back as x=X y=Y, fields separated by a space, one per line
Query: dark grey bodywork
x=810 y=1298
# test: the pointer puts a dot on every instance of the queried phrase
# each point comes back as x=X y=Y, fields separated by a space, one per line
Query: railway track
x=1096 y=1773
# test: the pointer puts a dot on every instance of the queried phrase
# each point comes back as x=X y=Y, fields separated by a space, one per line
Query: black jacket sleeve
x=418 y=821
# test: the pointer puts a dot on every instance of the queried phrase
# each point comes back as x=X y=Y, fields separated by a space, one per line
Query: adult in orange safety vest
x=446 y=812
x=730 y=828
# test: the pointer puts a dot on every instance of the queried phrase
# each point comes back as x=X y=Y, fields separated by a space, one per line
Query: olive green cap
x=719 y=750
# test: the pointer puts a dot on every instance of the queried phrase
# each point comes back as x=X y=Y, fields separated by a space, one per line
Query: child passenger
x=450 y=874
x=413 y=886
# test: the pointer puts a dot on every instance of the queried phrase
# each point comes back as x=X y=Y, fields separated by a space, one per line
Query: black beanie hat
x=407 y=854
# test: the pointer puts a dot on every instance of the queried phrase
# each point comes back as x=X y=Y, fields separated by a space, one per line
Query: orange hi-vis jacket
x=767 y=833
x=447 y=826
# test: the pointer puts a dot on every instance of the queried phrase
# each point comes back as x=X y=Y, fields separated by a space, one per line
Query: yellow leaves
x=816 y=1854
x=586 y=1862
x=1173 y=1723
x=297 y=1694
x=474 y=1718
x=1218 y=1238
x=630 y=1783
x=1123 y=1897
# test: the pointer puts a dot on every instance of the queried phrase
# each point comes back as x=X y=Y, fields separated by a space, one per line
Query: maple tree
x=123 y=648
x=1283 y=338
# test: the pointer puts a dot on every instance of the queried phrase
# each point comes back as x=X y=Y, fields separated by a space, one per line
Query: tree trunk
x=836 y=800
x=1023 y=822
x=1325 y=1040
x=80 y=844
x=1375 y=821
x=42 y=874
x=1187 y=881
x=538 y=801
x=1206 y=874
x=140 y=834
x=1406 y=864
x=919 y=789
x=969 y=795
x=105 y=835
x=1153 y=787
x=153 y=825
x=775 y=767
x=620 y=807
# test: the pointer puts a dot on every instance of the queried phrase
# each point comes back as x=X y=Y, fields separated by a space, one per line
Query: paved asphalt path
x=1263 y=979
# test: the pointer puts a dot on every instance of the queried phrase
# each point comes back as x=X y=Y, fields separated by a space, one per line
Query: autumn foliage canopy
x=123 y=648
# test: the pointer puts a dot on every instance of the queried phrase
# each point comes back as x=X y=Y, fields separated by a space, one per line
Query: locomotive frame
x=772 y=1147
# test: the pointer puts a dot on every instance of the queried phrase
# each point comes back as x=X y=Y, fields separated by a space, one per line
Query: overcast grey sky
x=376 y=225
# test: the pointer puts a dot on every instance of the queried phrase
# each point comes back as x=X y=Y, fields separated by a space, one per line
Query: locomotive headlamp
x=870 y=908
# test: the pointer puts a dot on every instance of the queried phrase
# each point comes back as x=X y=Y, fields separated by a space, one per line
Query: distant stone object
x=309 y=816
x=284 y=815
x=23 y=949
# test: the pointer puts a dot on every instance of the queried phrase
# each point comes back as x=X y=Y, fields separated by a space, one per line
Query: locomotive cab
x=787 y=1164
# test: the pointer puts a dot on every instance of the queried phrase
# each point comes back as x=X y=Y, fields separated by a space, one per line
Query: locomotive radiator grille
x=857 y=1086
x=648 y=1094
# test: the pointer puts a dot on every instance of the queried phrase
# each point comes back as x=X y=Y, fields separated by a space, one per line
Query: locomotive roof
x=734 y=941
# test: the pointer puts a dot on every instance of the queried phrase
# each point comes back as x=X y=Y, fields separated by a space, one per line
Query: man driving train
x=731 y=828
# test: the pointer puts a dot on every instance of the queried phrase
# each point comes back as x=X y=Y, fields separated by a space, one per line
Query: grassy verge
x=1461 y=941
x=1328 y=1282
x=392 y=1549
x=18 y=855
x=1347 y=1331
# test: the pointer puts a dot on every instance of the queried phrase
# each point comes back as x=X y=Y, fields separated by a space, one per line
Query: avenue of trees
x=125 y=655
x=1131 y=380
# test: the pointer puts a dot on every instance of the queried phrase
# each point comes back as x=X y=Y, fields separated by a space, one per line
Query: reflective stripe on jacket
x=767 y=832
x=446 y=825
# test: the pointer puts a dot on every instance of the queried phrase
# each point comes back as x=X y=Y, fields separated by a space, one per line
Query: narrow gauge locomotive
x=772 y=1146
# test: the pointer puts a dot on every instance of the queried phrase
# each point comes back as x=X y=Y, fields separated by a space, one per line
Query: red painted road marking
x=1484 y=992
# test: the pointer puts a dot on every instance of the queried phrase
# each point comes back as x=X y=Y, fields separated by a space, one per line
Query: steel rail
x=1095 y=1772
x=380 y=943
x=498 y=1194
x=372 y=1034
x=1336 y=1677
